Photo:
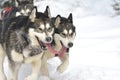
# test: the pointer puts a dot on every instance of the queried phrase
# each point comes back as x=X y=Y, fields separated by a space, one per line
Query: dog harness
x=57 y=53
x=6 y=11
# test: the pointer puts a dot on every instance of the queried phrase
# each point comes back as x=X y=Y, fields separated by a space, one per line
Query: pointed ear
x=47 y=12
x=17 y=2
x=70 y=18
x=32 y=16
x=57 y=21
x=31 y=1
x=35 y=7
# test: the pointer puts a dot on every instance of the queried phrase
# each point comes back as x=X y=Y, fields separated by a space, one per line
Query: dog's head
x=43 y=28
x=24 y=7
x=65 y=30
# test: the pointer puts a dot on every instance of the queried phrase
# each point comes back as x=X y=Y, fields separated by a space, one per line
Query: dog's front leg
x=44 y=68
x=2 y=74
x=65 y=62
x=2 y=57
x=13 y=70
x=35 y=70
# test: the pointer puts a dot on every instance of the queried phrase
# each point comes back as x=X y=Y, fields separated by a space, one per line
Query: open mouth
x=42 y=45
x=62 y=44
x=51 y=49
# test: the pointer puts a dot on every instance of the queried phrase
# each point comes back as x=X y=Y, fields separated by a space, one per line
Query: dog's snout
x=70 y=44
x=48 y=39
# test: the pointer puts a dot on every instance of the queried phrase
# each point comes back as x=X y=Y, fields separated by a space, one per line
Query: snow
x=96 y=51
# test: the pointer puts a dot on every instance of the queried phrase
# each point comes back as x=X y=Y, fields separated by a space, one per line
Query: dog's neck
x=58 y=44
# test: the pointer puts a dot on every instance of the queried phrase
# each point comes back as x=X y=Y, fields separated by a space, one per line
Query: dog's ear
x=57 y=21
x=32 y=16
x=47 y=12
x=70 y=18
x=17 y=3
x=31 y=1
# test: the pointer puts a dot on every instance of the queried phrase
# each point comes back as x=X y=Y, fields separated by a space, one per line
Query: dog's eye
x=40 y=30
x=28 y=12
x=63 y=34
x=71 y=34
x=49 y=29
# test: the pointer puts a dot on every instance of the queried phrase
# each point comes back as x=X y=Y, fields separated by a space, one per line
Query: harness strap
x=57 y=53
x=5 y=11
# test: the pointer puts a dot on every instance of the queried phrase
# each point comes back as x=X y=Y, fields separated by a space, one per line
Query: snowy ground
x=96 y=51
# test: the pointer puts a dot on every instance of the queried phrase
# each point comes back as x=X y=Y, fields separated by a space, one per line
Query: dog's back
x=11 y=24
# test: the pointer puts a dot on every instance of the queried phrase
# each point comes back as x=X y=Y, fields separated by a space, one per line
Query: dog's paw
x=32 y=77
x=61 y=68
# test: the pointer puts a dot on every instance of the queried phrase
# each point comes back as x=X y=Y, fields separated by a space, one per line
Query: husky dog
x=24 y=7
x=63 y=41
x=7 y=3
x=20 y=8
x=24 y=42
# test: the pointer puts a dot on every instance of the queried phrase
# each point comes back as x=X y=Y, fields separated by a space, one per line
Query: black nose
x=70 y=44
x=48 y=39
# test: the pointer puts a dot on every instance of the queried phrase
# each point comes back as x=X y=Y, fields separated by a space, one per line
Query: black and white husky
x=19 y=8
x=63 y=41
x=24 y=42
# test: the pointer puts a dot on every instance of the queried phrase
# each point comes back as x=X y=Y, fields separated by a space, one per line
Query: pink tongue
x=60 y=52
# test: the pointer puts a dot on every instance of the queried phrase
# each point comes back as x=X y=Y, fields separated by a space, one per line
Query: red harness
x=5 y=11
x=59 y=53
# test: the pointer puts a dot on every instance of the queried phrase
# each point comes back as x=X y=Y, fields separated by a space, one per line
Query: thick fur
x=63 y=36
x=20 y=8
x=22 y=43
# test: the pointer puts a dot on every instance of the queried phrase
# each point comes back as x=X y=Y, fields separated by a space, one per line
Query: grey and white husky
x=19 y=8
x=62 y=41
x=24 y=42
